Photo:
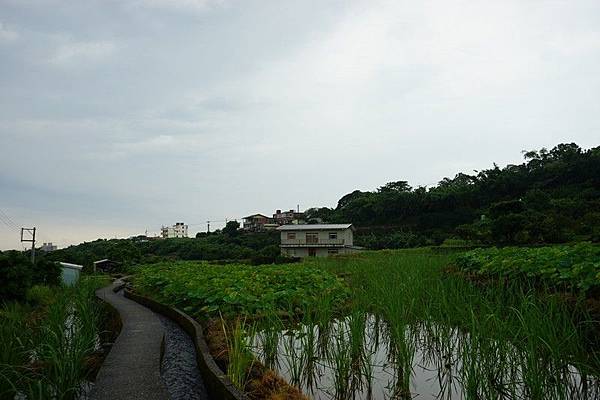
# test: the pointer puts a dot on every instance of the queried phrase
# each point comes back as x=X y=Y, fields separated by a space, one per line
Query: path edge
x=218 y=385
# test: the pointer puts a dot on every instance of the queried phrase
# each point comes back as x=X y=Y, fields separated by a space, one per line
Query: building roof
x=71 y=266
x=106 y=260
x=314 y=227
x=255 y=215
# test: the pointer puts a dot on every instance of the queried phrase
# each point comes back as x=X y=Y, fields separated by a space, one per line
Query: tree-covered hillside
x=552 y=197
x=252 y=247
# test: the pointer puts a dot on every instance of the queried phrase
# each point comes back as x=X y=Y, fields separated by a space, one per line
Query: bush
x=15 y=275
x=46 y=272
x=39 y=295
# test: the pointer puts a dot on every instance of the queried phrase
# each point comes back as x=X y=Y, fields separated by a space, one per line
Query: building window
x=332 y=235
x=291 y=235
x=312 y=238
x=332 y=251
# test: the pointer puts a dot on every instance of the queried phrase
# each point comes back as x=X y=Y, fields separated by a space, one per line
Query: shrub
x=15 y=275
x=46 y=272
x=39 y=295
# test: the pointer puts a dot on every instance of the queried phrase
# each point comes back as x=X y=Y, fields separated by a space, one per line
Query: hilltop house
x=258 y=223
x=288 y=217
x=179 y=230
x=319 y=240
x=48 y=247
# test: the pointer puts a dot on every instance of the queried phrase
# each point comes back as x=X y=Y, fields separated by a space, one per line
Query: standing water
x=363 y=357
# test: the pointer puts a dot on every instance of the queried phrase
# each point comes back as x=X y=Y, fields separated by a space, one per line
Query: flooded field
x=363 y=357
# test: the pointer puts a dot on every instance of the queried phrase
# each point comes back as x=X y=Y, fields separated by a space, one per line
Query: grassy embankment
x=502 y=338
x=49 y=341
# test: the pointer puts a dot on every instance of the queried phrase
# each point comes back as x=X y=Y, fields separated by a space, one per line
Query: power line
x=9 y=219
x=8 y=224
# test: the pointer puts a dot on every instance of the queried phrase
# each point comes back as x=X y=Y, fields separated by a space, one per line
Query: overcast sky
x=121 y=116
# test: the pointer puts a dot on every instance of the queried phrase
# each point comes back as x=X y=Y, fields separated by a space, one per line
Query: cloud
x=7 y=35
x=197 y=5
x=82 y=52
x=160 y=105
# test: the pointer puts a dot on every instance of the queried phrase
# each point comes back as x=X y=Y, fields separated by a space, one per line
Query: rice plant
x=240 y=359
x=496 y=340
x=45 y=350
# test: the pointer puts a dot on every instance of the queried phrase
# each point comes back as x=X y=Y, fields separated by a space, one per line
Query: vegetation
x=47 y=342
x=574 y=267
x=207 y=290
x=248 y=247
x=553 y=197
x=17 y=274
x=489 y=340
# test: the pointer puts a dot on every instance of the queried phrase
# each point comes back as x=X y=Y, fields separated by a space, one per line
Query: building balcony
x=313 y=243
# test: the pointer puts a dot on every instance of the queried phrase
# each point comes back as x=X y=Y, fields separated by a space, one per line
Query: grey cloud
x=151 y=111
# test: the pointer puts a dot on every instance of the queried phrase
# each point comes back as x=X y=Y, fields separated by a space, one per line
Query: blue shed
x=70 y=273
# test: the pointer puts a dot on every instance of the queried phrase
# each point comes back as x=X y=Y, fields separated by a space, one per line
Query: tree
x=15 y=275
x=398 y=186
x=231 y=228
x=46 y=272
x=347 y=199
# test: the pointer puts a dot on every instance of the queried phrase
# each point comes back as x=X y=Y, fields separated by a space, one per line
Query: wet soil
x=263 y=383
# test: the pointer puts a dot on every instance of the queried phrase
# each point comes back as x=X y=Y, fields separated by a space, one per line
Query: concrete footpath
x=132 y=368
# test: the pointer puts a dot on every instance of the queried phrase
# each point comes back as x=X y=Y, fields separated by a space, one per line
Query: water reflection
x=364 y=357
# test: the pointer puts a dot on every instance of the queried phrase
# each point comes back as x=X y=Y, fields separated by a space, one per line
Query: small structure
x=107 y=266
x=319 y=240
x=70 y=273
x=48 y=247
x=288 y=217
x=258 y=223
x=179 y=230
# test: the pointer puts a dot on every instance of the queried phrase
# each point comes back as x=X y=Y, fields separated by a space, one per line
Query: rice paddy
x=406 y=328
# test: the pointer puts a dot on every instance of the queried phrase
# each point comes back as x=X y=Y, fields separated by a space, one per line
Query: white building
x=179 y=230
x=320 y=240
x=48 y=247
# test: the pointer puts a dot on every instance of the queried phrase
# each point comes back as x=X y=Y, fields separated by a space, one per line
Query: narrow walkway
x=132 y=368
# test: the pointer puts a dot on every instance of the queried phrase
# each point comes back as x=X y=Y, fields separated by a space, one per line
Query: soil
x=263 y=383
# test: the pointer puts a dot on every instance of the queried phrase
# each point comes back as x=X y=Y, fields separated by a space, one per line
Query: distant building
x=179 y=230
x=48 y=247
x=106 y=266
x=258 y=223
x=319 y=240
x=288 y=217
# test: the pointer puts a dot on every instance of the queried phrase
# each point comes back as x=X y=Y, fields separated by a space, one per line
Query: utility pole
x=32 y=240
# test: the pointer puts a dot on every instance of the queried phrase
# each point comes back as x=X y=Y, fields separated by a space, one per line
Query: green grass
x=513 y=339
x=45 y=343
x=544 y=333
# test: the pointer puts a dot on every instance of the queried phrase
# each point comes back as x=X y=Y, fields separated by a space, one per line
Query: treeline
x=552 y=197
x=228 y=244
x=18 y=274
